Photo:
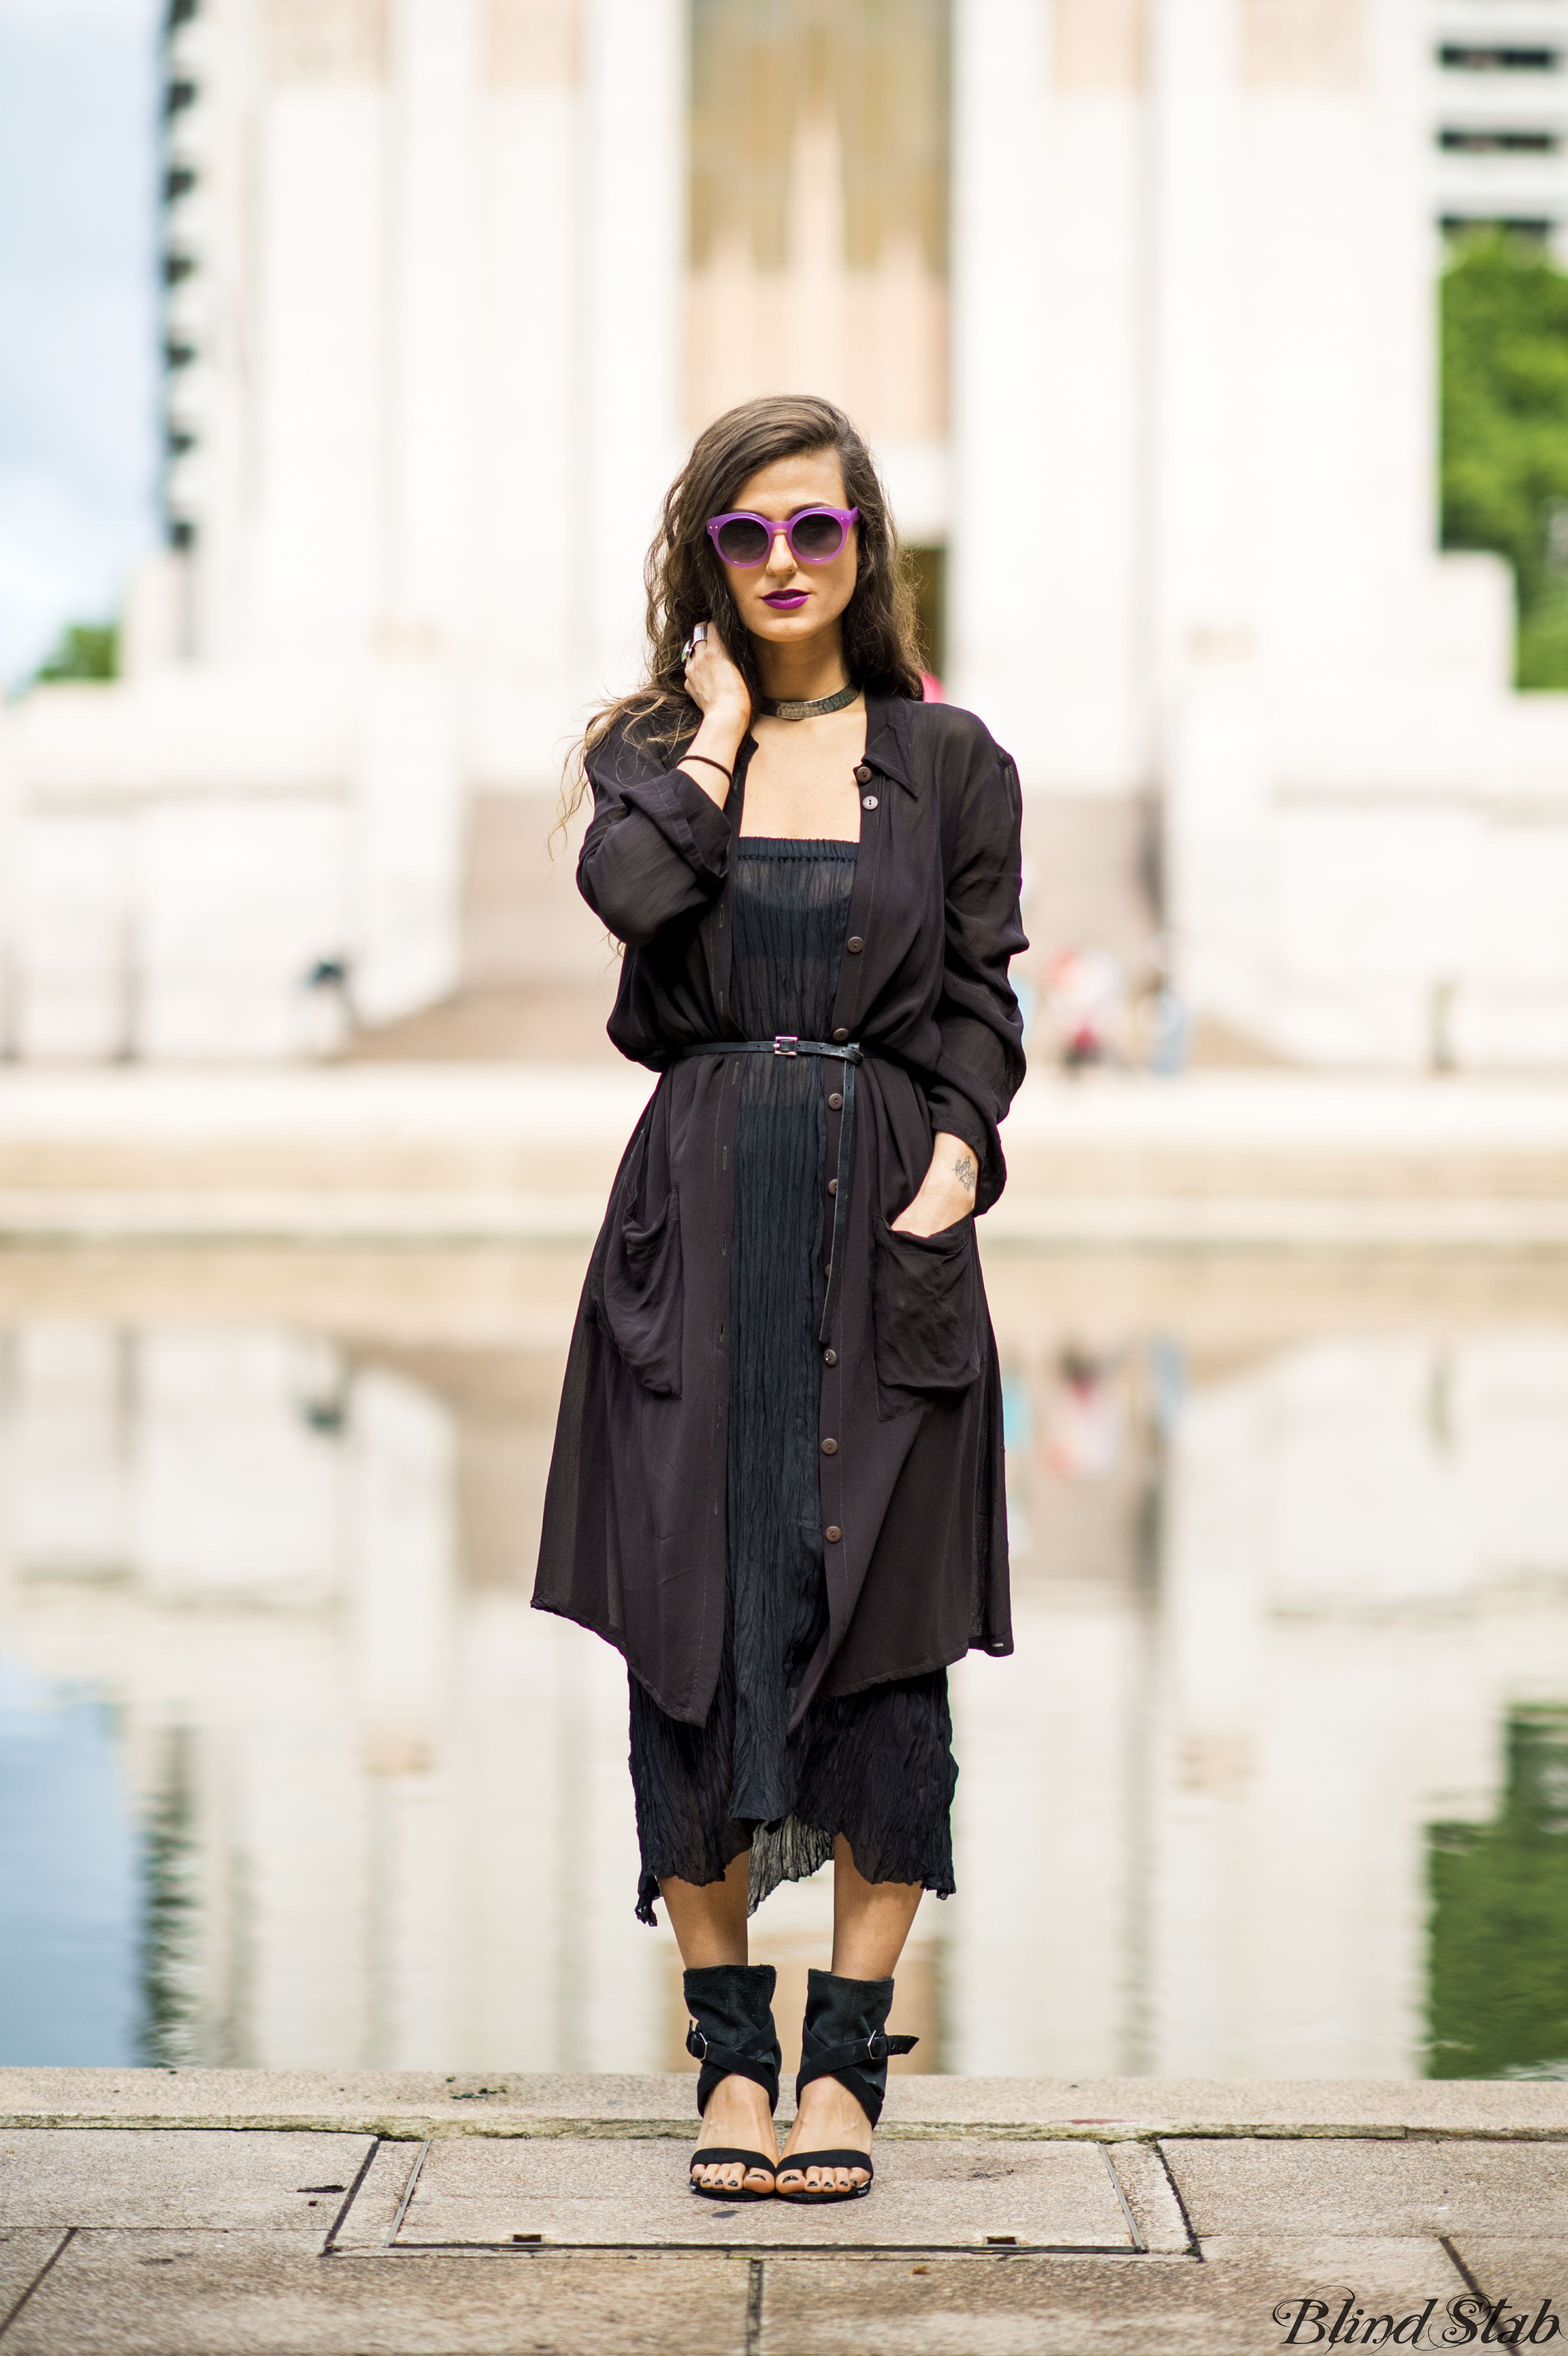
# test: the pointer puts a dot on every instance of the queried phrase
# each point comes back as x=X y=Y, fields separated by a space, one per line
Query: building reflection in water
x=290 y=1775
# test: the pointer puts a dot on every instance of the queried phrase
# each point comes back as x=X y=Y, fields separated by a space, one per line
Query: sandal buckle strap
x=861 y=2050
x=721 y=2062
x=726 y=2057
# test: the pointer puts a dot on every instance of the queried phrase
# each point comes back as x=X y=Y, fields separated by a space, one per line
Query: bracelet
x=709 y=765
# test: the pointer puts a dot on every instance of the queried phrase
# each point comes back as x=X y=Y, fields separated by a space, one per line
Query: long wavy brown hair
x=686 y=583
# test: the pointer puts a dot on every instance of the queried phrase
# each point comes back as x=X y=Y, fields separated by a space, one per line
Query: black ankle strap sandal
x=845 y=2037
x=732 y=2033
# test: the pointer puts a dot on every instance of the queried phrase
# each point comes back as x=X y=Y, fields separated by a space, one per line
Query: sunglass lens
x=742 y=542
x=817 y=537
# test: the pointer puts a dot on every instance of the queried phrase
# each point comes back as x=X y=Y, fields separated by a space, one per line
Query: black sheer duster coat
x=913 y=1514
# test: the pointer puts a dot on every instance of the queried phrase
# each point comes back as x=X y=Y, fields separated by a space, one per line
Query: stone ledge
x=412 y=2105
x=411 y=1153
x=344 y=1216
x=1122 y=1216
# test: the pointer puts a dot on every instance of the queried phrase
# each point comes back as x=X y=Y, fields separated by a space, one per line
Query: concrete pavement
x=207 y=2213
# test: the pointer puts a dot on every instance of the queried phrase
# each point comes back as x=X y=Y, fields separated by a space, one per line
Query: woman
x=777 y=1481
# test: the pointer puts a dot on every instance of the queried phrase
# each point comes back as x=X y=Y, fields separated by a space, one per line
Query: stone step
x=427 y=1151
x=415 y=2105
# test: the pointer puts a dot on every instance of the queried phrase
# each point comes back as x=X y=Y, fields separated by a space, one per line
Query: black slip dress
x=876 y=1766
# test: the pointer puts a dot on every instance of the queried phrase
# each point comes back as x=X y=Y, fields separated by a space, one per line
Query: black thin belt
x=786 y=1044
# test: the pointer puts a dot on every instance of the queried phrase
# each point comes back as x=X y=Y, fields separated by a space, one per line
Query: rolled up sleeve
x=656 y=848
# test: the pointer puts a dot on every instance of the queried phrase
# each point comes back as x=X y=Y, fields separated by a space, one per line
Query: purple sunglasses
x=816 y=535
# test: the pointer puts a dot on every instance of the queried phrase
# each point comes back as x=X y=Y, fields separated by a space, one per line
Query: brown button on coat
x=912 y=1505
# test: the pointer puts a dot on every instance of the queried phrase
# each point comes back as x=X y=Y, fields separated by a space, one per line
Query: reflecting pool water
x=1275 y=1784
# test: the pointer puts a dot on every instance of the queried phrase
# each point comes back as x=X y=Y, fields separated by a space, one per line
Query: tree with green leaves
x=84 y=650
x=1505 y=430
x=1499 y=1950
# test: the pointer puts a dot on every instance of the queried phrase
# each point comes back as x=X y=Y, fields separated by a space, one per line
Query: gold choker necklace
x=810 y=710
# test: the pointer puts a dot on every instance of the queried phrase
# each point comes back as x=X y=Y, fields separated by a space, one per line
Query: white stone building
x=1136 y=298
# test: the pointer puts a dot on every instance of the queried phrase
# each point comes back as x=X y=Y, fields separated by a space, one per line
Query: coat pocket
x=640 y=1288
x=925 y=1304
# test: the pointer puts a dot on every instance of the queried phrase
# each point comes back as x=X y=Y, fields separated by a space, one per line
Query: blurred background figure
x=1088 y=1007
x=1084 y=1425
x=1161 y=1032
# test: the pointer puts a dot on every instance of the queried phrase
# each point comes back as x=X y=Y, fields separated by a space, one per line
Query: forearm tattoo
x=964 y=1171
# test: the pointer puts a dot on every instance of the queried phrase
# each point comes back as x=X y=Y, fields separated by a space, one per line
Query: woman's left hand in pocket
x=947 y=1191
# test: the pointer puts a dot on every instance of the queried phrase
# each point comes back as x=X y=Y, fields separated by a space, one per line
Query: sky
x=79 y=430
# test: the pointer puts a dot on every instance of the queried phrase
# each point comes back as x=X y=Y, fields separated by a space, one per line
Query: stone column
x=1204 y=496
x=1049 y=360
x=529 y=529
x=1002 y=351
x=629 y=401
x=410 y=779
x=319 y=356
x=1199 y=387
x=431 y=354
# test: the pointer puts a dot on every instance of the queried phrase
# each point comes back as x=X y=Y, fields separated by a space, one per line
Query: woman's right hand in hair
x=719 y=693
x=714 y=684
